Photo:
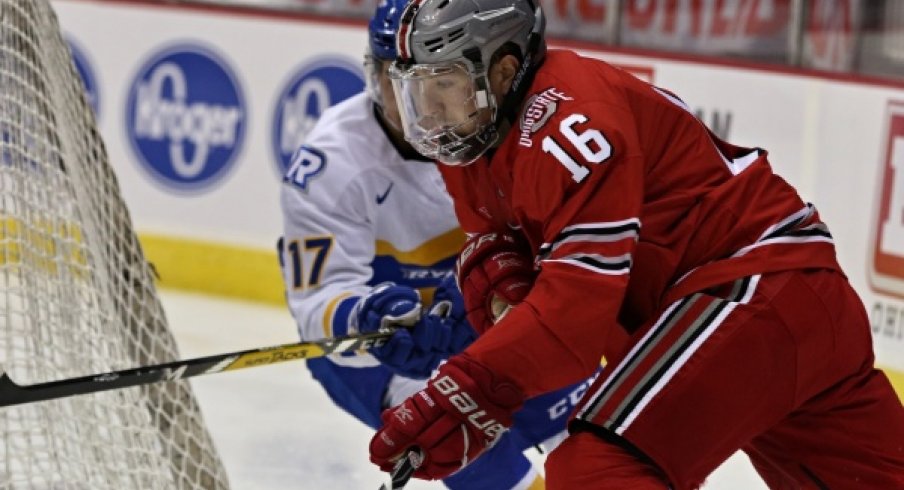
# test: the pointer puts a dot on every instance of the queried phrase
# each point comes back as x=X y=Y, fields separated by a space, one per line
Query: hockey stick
x=404 y=469
x=12 y=393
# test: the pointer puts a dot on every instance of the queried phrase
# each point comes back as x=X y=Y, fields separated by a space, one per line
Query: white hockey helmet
x=445 y=48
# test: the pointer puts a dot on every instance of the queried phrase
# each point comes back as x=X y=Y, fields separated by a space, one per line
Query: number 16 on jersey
x=590 y=143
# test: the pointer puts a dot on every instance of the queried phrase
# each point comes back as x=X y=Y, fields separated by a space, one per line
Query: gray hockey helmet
x=445 y=48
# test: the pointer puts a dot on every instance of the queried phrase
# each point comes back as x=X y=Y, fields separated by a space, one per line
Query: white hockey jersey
x=357 y=213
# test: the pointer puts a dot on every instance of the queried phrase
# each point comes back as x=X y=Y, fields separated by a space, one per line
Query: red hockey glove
x=495 y=271
x=463 y=411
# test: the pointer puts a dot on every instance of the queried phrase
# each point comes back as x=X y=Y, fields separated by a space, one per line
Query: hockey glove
x=463 y=410
x=445 y=329
x=389 y=305
x=495 y=272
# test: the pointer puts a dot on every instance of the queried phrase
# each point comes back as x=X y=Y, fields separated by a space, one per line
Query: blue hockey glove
x=445 y=329
x=390 y=305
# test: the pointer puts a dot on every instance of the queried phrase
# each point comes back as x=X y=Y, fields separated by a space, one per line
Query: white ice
x=275 y=428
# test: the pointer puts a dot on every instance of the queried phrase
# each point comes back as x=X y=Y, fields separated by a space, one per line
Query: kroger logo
x=86 y=73
x=314 y=87
x=186 y=117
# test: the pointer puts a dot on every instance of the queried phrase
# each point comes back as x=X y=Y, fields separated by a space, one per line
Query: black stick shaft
x=12 y=393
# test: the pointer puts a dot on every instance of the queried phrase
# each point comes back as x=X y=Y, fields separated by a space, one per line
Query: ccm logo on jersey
x=540 y=107
x=467 y=406
x=887 y=264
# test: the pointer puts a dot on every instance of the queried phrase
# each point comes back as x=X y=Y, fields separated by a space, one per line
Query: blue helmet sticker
x=315 y=86
x=85 y=70
x=186 y=117
x=382 y=28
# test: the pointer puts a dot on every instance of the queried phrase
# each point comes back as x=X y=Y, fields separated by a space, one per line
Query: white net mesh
x=76 y=294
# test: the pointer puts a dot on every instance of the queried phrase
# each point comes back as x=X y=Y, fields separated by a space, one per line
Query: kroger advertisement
x=202 y=110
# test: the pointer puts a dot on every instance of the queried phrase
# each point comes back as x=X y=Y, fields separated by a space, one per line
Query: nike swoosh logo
x=382 y=197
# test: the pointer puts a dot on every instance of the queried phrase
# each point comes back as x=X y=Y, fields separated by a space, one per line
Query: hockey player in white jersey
x=369 y=234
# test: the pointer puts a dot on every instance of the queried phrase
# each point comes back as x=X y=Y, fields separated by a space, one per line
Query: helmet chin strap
x=483 y=98
x=490 y=131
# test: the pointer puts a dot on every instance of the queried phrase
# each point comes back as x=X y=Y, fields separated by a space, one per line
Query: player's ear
x=502 y=73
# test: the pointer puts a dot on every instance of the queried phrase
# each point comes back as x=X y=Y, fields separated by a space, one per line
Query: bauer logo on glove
x=468 y=407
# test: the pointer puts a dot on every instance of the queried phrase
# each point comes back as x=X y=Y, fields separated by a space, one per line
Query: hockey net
x=76 y=294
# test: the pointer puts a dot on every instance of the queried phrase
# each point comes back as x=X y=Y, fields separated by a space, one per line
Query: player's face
x=390 y=108
x=443 y=98
x=380 y=89
x=440 y=104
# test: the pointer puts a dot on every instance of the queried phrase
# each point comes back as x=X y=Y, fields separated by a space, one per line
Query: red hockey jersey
x=629 y=202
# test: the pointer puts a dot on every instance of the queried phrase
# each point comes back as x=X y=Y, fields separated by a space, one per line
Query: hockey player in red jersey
x=742 y=331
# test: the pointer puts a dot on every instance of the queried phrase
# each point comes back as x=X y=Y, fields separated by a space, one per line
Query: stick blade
x=10 y=391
